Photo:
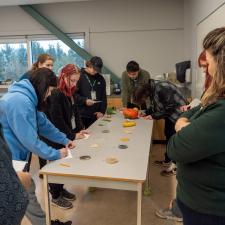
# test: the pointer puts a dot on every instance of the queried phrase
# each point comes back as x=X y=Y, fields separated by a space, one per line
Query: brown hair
x=88 y=64
x=214 y=43
x=41 y=59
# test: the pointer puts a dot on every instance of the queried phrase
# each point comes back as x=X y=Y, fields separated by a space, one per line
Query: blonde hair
x=214 y=43
x=41 y=59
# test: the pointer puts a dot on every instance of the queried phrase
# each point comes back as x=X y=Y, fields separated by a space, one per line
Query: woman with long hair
x=23 y=122
x=198 y=147
x=63 y=113
x=43 y=61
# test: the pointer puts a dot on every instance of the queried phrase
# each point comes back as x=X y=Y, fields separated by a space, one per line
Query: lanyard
x=92 y=85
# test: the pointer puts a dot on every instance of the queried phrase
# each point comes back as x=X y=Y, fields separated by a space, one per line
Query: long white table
x=128 y=174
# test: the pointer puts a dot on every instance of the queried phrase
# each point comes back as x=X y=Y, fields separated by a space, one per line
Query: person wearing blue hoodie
x=22 y=122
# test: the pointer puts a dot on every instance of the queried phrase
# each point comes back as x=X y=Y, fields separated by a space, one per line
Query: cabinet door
x=158 y=130
x=116 y=102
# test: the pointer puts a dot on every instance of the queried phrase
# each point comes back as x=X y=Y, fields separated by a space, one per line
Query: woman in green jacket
x=198 y=147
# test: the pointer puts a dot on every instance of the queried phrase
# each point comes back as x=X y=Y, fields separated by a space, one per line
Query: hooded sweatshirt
x=22 y=124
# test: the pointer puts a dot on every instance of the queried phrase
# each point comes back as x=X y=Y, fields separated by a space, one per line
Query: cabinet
x=158 y=130
x=115 y=101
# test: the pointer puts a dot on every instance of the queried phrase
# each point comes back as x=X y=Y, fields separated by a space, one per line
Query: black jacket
x=59 y=110
x=166 y=100
x=84 y=92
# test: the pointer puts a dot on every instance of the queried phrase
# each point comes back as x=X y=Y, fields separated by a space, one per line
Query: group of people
x=44 y=115
x=194 y=137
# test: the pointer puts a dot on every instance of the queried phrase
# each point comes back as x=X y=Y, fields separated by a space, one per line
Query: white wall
x=149 y=31
x=198 y=13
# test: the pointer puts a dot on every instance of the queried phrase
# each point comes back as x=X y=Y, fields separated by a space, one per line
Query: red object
x=66 y=72
x=130 y=113
x=203 y=63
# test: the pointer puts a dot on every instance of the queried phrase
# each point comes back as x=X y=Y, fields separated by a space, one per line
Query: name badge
x=93 y=95
x=73 y=123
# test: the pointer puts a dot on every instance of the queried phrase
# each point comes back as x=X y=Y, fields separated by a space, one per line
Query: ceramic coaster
x=123 y=146
x=111 y=160
x=105 y=131
x=85 y=157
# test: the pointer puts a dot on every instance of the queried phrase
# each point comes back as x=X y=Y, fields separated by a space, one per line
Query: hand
x=142 y=114
x=25 y=179
x=184 y=108
x=79 y=136
x=63 y=153
x=98 y=115
x=181 y=123
x=71 y=144
x=149 y=117
x=85 y=132
x=89 y=102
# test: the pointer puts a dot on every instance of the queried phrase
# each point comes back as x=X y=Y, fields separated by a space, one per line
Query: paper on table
x=69 y=156
x=19 y=165
x=86 y=136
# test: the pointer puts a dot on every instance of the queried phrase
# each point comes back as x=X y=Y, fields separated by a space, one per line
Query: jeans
x=34 y=211
x=191 y=217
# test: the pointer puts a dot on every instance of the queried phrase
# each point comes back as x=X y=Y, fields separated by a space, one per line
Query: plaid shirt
x=166 y=100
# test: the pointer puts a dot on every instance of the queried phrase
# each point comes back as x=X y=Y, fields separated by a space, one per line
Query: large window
x=61 y=53
x=17 y=55
x=13 y=60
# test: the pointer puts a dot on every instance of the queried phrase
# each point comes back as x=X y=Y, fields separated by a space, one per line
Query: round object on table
x=85 y=157
x=105 y=131
x=125 y=139
x=123 y=146
x=112 y=160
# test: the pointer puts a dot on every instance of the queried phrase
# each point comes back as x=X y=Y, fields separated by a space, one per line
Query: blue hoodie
x=21 y=121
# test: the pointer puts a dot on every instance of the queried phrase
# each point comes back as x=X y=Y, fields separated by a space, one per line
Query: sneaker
x=168 y=214
x=162 y=163
x=67 y=195
x=62 y=203
x=168 y=173
x=58 y=222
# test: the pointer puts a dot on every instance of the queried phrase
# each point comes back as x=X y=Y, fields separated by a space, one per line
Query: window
x=61 y=53
x=18 y=53
x=13 y=60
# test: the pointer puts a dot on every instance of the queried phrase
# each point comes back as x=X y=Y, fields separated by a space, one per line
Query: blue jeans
x=34 y=211
x=191 y=217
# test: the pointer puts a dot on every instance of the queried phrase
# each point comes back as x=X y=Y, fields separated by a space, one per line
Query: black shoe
x=163 y=163
x=62 y=203
x=58 y=222
x=67 y=195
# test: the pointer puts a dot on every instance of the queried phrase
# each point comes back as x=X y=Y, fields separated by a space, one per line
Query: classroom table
x=128 y=173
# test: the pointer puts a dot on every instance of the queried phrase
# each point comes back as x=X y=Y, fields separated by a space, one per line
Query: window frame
x=27 y=39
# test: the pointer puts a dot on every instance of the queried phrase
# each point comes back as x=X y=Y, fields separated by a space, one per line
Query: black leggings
x=169 y=131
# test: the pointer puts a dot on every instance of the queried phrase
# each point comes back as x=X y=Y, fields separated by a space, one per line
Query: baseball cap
x=97 y=63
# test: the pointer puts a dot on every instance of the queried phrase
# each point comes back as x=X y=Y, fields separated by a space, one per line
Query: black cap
x=97 y=63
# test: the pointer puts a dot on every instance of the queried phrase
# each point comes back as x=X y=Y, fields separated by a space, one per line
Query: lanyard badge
x=93 y=95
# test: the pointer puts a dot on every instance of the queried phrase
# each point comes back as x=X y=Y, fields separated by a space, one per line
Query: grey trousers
x=34 y=211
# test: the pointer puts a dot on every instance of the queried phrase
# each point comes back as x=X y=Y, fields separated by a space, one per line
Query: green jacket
x=128 y=85
x=199 y=150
